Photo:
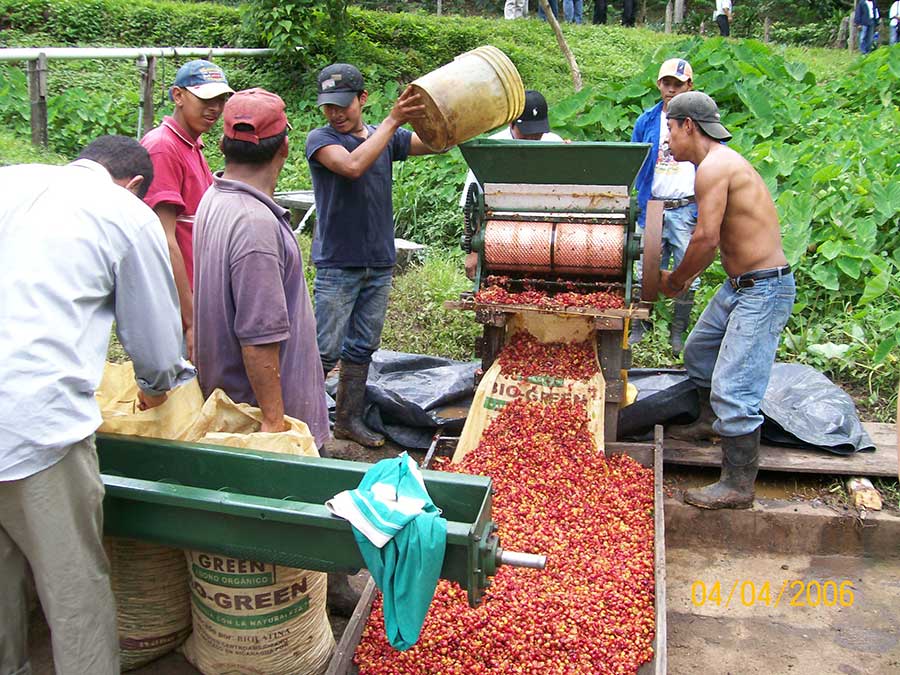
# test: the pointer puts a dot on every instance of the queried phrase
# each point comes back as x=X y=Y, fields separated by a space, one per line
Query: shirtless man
x=730 y=352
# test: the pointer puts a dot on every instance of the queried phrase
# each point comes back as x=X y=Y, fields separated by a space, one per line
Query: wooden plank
x=881 y=463
x=37 y=92
x=342 y=660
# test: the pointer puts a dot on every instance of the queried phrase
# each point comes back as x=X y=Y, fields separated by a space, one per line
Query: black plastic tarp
x=408 y=396
x=801 y=408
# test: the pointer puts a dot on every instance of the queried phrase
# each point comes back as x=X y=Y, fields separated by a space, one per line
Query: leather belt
x=749 y=279
x=677 y=203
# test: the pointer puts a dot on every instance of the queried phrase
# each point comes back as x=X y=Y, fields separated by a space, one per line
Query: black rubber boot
x=683 y=305
x=638 y=329
x=700 y=429
x=350 y=405
x=342 y=598
x=740 y=464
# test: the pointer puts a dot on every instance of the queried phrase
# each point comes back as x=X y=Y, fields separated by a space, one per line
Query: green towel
x=402 y=538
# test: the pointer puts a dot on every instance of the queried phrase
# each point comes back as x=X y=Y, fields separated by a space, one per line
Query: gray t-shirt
x=249 y=289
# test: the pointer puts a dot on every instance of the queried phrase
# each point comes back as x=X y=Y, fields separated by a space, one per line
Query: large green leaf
x=796 y=70
x=826 y=276
x=885 y=348
x=876 y=287
x=830 y=250
x=849 y=266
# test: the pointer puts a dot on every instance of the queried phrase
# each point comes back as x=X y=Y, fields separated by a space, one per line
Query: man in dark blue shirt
x=353 y=247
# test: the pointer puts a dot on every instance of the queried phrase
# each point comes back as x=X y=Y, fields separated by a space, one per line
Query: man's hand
x=408 y=107
x=189 y=342
x=147 y=401
x=471 y=265
x=274 y=426
x=667 y=288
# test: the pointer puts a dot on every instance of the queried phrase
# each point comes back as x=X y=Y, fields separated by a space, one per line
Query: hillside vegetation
x=819 y=125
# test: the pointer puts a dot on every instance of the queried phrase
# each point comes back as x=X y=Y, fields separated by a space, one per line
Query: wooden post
x=148 y=82
x=669 y=16
x=767 y=27
x=37 y=91
x=843 y=33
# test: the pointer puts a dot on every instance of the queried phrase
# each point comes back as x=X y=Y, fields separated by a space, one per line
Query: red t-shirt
x=181 y=176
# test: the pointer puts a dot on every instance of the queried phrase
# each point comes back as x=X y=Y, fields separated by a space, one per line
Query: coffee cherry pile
x=526 y=356
x=591 y=610
x=497 y=295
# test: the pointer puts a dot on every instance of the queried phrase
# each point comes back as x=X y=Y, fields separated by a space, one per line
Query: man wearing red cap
x=254 y=326
x=182 y=174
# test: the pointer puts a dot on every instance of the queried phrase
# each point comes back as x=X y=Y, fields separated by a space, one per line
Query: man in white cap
x=182 y=174
x=730 y=352
x=672 y=182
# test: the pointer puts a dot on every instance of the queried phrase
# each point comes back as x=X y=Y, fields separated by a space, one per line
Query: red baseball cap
x=257 y=108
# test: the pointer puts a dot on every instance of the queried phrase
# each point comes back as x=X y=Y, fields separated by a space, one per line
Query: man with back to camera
x=730 y=352
x=353 y=247
x=254 y=322
x=532 y=125
x=78 y=249
x=672 y=182
x=182 y=174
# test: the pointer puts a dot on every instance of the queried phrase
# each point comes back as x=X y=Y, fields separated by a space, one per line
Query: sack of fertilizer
x=545 y=358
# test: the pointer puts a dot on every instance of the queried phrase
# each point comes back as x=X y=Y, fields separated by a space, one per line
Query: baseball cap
x=203 y=79
x=262 y=110
x=700 y=108
x=677 y=68
x=533 y=119
x=339 y=84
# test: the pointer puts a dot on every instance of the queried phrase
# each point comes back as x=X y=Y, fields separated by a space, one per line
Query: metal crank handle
x=515 y=559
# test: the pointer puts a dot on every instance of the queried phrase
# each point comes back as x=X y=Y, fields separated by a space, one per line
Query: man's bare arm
x=711 y=190
x=354 y=164
x=264 y=373
x=167 y=214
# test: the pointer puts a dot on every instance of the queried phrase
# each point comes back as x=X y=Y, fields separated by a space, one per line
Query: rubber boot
x=638 y=329
x=740 y=464
x=700 y=429
x=684 y=303
x=342 y=598
x=350 y=405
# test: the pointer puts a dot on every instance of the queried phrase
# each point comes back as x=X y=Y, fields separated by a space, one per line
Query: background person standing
x=672 y=182
x=894 y=25
x=722 y=16
x=182 y=174
x=866 y=17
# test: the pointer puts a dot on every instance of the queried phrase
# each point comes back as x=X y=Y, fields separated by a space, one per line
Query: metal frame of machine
x=646 y=454
x=562 y=214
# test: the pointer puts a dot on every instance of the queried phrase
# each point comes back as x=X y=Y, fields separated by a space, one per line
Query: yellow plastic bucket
x=477 y=91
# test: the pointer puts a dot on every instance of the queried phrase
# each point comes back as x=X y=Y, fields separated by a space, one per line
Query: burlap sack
x=497 y=389
x=149 y=581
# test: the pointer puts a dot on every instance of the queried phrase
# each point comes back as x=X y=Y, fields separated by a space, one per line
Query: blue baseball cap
x=203 y=79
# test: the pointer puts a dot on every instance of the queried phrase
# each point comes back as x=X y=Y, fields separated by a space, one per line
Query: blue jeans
x=554 y=5
x=573 y=9
x=894 y=34
x=678 y=227
x=866 y=33
x=732 y=348
x=351 y=304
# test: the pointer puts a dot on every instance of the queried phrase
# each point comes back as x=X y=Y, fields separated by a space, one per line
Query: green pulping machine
x=271 y=508
x=557 y=217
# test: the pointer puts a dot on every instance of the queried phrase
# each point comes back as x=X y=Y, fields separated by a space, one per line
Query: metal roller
x=557 y=247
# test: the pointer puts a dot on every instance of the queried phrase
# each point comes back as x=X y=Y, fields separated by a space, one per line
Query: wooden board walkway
x=881 y=463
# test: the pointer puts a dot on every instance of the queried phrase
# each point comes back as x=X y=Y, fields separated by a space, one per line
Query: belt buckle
x=741 y=282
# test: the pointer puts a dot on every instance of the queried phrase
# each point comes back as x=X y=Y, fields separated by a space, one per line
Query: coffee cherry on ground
x=496 y=294
x=591 y=610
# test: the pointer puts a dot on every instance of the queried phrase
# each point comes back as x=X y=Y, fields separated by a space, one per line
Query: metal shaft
x=532 y=560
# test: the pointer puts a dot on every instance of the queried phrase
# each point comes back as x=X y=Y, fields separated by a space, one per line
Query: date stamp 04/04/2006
x=790 y=592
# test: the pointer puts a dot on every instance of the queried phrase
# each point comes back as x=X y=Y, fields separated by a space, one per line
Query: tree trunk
x=669 y=16
x=679 y=12
x=439 y=3
x=561 y=40
x=767 y=26
x=843 y=33
x=851 y=41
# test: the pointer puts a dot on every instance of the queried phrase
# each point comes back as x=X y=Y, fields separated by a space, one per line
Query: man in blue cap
x=182 y=174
